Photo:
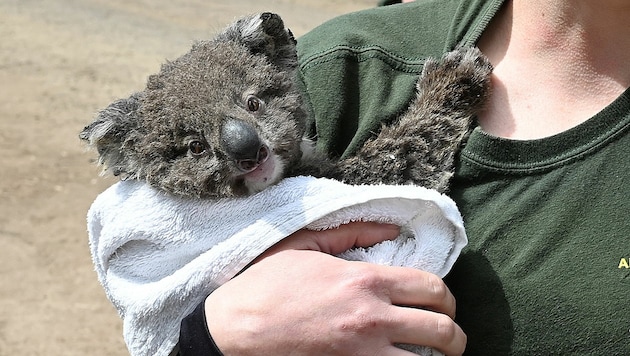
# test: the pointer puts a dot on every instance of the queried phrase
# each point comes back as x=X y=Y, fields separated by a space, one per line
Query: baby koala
x=226 y=119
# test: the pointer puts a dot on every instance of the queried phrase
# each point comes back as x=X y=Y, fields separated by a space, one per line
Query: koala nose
x=242 y=143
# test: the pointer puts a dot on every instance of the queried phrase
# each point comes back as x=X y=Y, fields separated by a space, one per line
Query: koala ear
x=264 y=34
x=111 y=131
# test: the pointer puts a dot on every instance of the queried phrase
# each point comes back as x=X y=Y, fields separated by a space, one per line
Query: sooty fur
x=226 y=119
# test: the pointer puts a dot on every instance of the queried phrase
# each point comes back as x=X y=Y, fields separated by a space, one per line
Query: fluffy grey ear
x=112 y=130
x=264 y=34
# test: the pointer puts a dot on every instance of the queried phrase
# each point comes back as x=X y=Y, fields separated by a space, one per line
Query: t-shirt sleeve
x=194 y=336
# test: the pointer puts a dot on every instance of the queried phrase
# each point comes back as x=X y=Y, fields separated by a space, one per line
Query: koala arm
x=316 y=164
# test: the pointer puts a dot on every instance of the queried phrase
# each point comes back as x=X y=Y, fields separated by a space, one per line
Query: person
x=542 y=185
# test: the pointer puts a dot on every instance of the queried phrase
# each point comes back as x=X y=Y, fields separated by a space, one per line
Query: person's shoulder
x=388 y=29
x=392 y=28
x=410 y=31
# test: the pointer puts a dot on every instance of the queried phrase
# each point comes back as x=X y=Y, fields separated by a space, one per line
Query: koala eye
x=253 y=103
x=196 y=148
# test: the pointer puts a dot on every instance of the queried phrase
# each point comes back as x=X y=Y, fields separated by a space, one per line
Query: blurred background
x=61 y=61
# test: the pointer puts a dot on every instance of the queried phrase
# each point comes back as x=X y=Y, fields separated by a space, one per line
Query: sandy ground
x=60 y=62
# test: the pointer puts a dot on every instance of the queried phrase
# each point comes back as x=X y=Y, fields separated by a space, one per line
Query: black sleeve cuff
x=194 y=337
x=387 y=2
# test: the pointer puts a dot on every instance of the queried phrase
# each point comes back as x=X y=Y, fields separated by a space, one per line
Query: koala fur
x=226 y=119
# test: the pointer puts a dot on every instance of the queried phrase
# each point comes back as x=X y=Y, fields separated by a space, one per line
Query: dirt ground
x=60 y=62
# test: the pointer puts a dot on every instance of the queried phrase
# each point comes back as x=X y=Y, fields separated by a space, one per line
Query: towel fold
x=158 y=256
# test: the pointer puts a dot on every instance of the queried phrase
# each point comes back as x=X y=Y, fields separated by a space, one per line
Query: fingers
x=422 y=327
x=361 y=234
x=401 y=290
x=405 y=286
x=407 y=290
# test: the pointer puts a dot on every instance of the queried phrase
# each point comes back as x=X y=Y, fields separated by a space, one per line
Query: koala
x=227 y=119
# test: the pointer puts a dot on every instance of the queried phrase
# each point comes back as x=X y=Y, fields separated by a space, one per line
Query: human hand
x=297 y=300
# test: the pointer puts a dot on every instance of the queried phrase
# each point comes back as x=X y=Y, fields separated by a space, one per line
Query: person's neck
x=557 y=63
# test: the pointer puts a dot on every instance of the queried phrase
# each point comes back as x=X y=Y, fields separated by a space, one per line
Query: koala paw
x=460 y=80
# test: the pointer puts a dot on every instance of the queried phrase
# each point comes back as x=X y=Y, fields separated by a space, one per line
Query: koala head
x=225 y=119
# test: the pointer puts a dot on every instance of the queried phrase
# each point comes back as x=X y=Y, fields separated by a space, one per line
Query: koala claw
x=461 y=77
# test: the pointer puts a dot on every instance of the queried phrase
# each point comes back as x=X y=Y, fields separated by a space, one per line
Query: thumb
x=337 y=240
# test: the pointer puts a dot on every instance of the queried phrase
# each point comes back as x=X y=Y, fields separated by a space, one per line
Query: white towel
x=158 y=256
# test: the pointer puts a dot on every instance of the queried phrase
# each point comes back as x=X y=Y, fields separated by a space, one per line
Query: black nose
x=241 y=142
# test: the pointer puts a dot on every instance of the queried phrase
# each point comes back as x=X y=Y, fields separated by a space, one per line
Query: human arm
x=298 y=300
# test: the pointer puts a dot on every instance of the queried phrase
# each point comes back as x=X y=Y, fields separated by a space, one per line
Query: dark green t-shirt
x=546 y=271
